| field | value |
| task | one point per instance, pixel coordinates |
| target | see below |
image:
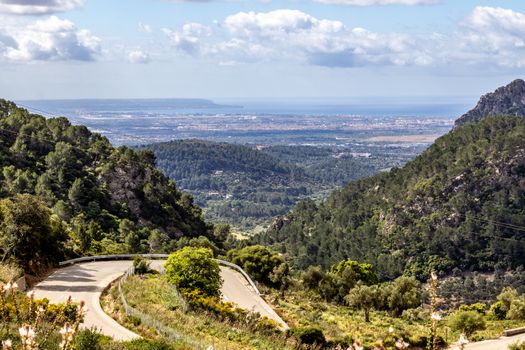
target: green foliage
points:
(438, 212)
(402, 294)
(478, 307)
(141, 266)
(88, 339)
(506, 297)
(517, 346)
(497, 311)
(517, 309)
(247, 186)
(148, 344)
(194, 269)
(467, 322)
(29, 234)
(107, 199)
(259, 262)
(365, 298)
(309, 335)
(353, 272)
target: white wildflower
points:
(436, 317)
(11, 286)
(401, 344)
(7, 344)
(434, 275)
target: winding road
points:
(87, 281)
(496, 344)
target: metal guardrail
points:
(153, 257)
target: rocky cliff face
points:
(508, 100)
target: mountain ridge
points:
(442, 211)
(506, 100)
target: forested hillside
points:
(93, 197)
(248, 186)
(461, 204)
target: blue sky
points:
(451, 49)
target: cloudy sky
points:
(259, 48)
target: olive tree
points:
(193, 269)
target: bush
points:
(146, 344)
(517, 310)
(308, 335)
(478, 307)
(193, 269)
(259, 262)
(88, 339)
(415, 315)
(141, 265)
(497, 311)
(467, 322)
(517, 346)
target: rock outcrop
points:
(507, 100)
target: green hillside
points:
(461, 204)
(98, 199)
(247, 186)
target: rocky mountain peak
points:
(507, 100)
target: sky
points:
(436, 50)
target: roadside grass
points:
(153, 296)
(8, 272)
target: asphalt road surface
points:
(87, 281)
(496, 344)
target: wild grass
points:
(154, 296)
(9, 272)
(343, 324)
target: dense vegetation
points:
(67, 191)
(461, 204)
(248, 186)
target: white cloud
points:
(379, 2)
(38, 7)
(189, 38)
(139, 56)
(295, 34)
(352, 2)
(49, 39)
(491, 35)
(144, 28)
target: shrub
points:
(467, 322)
(259, 262)
(517, 346)
(146, 344)
(141, 265)
(517, 310)
(497, 311)
(415, 315)
(478, 307)
(312, 277)
(88, 339)
(308, 335)
(193, 269)
(506, 297)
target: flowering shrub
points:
(197, 300)
(33, 322)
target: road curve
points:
(86, 282)
(495, 344)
